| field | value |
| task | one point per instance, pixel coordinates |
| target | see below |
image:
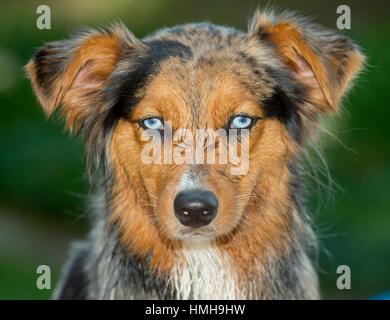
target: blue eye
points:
(153, 123)
(241, 122)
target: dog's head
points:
(268, 86)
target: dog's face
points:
(269, 86)
(199, 199)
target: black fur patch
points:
(75, 280)
(48, 63)
(123, 87)
(283, 108)
(263, 35)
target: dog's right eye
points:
(152, 123)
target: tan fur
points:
(258, 235)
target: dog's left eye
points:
(152, 123)
(241, 122)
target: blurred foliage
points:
(41, 168)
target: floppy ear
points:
(323, 62)
(73, 72)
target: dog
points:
(191, 230)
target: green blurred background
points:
(42, 181)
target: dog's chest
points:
(204, 273)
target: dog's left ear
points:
(323, 62)
(73, 73)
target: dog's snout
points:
(195, 208)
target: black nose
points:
(195, 208)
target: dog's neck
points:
(208, 270)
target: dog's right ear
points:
(73, 72)
(325, 63)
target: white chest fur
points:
(204, 274)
